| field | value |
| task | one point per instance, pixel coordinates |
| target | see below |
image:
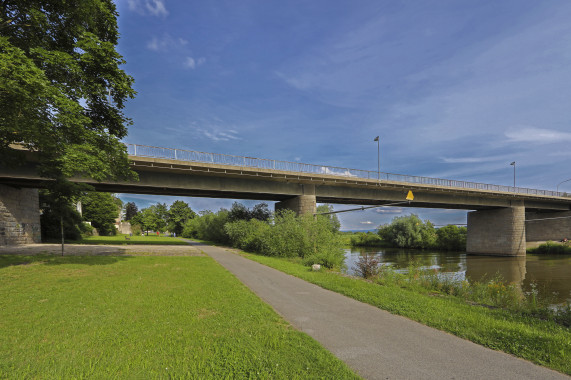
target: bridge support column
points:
(548, 229)
(301, 204)
(498, 232)
(19, 216)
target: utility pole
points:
(378, 157)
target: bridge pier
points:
(548, 229)
(497, 232)
(19, 216)
(301, 204)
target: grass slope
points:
(542, 342)
(145, 317)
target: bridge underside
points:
(495, 226)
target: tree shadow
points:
(53, 259)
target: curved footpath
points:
(373, 342)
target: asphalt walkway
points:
(373, 342)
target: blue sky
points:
(455, 89)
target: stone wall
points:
(19, 216)
(548, 229)
(498, 232)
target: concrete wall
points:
(301, 204)
(19, 216)
(554, 229)
(498, 232)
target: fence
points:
(261, 163)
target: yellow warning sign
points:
(409, 196)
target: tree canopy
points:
(101, 209)
(179, 213)
(62, 91)
(130, 210)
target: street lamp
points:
(567, 180)
(513, 164)
(378, 157)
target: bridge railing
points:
(262, 163)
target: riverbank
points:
(542, 342)
(110, 316)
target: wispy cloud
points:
(152, 7)
(217, 135)
(165, 43)
(471, 160)
(389, 210)
(537, 135)
(367, 222)
(191, 63)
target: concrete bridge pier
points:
(300, 204)
(19, 216)
(497, 232)
(553, 226)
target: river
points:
(551, 274)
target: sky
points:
(455, 89)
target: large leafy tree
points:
(131, 210)
(62, 91)
(101, 209)
(179, 213)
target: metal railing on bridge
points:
(297, 167)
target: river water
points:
(551, 274)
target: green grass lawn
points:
(542, 342)
(121, 239)
(145, 317)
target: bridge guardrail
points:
(262, 163)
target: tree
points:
(332, 218)
(130, 210)
(101, 210)
(153, 218)
(409, 232)
(179, 213)
(62, 91)
(241, 212)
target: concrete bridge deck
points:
(497, 224)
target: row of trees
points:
(159, 217)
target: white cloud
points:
(216, 135)
(192, 63)
(368, 222)
(165, 43)
(153, 7)
(472, 160)
(389, 210)
(537, 135)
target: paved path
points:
(373, 342)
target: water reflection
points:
(551, 274)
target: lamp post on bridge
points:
(513, 164)
(378, 157)
(567, 180)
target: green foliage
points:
(367, 239)
(130, 210)
(101, 209)
(332, 219)
(451, 238)
(55, 209)
(305, 237)
(179, 213)
(208, 226)
(61, 89)
(551, 248)
(152, 218)
(241, 212)
(409, 232)
(367, 266)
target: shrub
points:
(208, 226)
(409, 232)
(551, 248)
(366, 239)
(367, 266)
(451, 238)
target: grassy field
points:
(122, 239)
(145, 317)
(542, 342)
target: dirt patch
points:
(102, 250)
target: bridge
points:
(496, 224)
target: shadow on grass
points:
(45, 259)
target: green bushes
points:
(208, 226)
(286, 235)
(551, 248)
(411, 232)
(367, 239)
